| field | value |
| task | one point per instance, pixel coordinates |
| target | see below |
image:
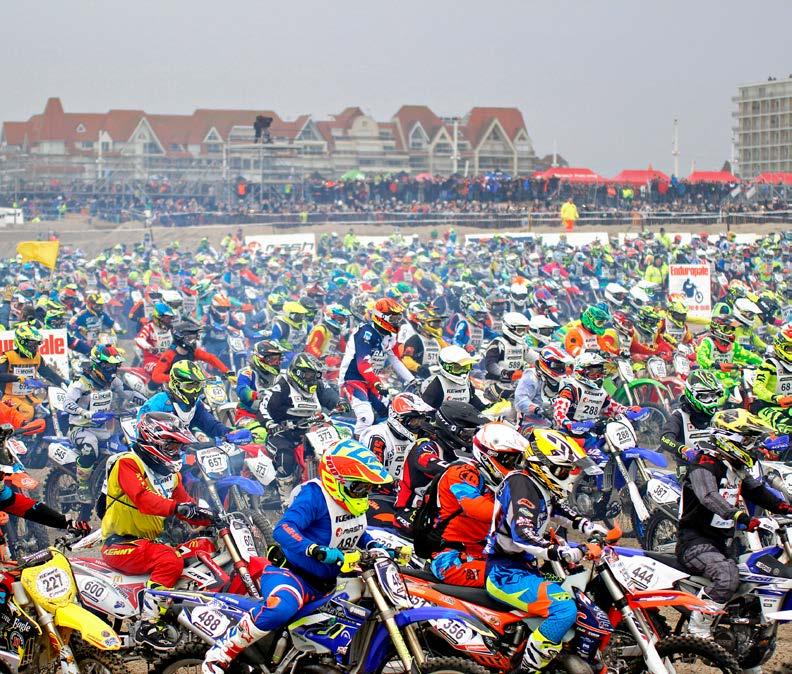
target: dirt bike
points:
(42, 626)
(217, 400)
(367, 624)
(618, 627)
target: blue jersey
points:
(202, 418)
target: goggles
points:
(457, 368)
(358, 489)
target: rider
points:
(23, 367)
(674, 329)
(89, 322)
(422, 346)
(465, 495)
(91, 402)
(524, 502)
(328, 338)
(296, 397)
(506, 355)
(184, 347)
(590, 333)
(451, 380)
(289, 325)
(143, 488)
(325, 517)
(689, 424)
(471, 327)
(719, 352)
(253, 383)
(717, 483)
(540, 385)
(155, 336)
(648, 334)
(390, 440)
(773, 384)
(747, 314)
(372, 344)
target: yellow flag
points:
(45, 252)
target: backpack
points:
(427, 527)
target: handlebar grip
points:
(40, 557)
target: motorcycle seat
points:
(474, 595)
(667, 559)
(420, 574)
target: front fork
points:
(68, 663)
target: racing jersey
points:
(390, 449)
(85, 397)
(773, 381)
(287, 402)
(197, 416)
(366, 354)
(577, 402)
(467, 504)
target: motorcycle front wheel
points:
(685, 653)
(660, 533)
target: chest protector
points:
(431, 350)
(693, 435)
(184, 415)
(513, 354)
(501, 540)
(589, 401)
(161, 339)
(783, 378)
(476, 334)
(674, 331)
(345, 528)
(454, 391)
(302, 404)
(21, 367)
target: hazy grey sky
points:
(603, 79)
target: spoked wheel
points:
(685, 654)
(660, 533)
(91, 660)
(60, 492)
(649, 430)
(25, 537)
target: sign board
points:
(574, 239)
(12, 216)
(692, 283)
(519, 236)
(404, 239)
(54, 349)
(302, 242)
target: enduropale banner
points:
(692, 283)
(54, 349)
(299, 242)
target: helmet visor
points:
(708, 397)
(594, 372)
(458, 368)
(308, 375)
(358, 489)
(544, 332)
(509, 459)
(190, 388)
(522, 330)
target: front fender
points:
(379, 647)
(647, 381)
(94, 630)
(657, 458)
(247, 485)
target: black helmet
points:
(185, 333)
(455, 424)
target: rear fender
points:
(380, 646)
(660, 598)
(93, 630)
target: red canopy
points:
(774, 178)
(571, 175)
(639, 177)
(712, 177)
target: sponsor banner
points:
(692, 283)
(686, 237)
(518, 236)
(302, 242)
(12, 216)
(54, 349)
(576, 239)
(406, 239)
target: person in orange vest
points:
(569, 215)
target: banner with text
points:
(302, 242)
(692, 283)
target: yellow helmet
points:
(348, 471)
(294, 313)
(27, 339)
(556, 461)
(736, 433)
(782, 344)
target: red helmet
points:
(553, 362)
(387, 315)
(160, 440)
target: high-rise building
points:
(763, 132)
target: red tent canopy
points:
(639, 177)
(571, 175)
(712, 177)
(774, 178)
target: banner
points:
(692, 283)
(12, 216)
(404, 239)
(45, 252)
(54, 349)
(573, 239)
(294, 243)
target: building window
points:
(152, 148)
(105, 146)
(214, 148)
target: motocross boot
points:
(227, 648)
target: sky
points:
(601, 80)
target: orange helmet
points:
(387, 315)
(220, 301)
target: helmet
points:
(336, 317)
(186, 381)
(637, 297)
(624, 326)
(105, 361)
(552, 364)
(736, 433)
(497, 449)
(703, 391)
(519, 293)
(160, 440)
(595, 319)
(745, 311)
(267, 357)
(221, 304)
(769, 305)
(424, 318)
(722, 329)
(163, 315)
(589, 369)
(455, 363)
(311, 306)
(348, 471)
(541, 328)
(615, 294)
(305, 371)
(515, 326)
(185, 333)
(543, 299)
(476, 312)
(455, 424)
(555, 461)
(94, 300)
(736, 289)
(407, 414)
(27, 339)
(55, 318)
(676, 313)
(173, 298)
(782, 345)
(648, 320)
(294, 313)
(276, 300)
(387, 315)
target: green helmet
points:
(186, 381)
(648, 320)
(27, 339)
(305, 371)
(704, 392)
(595, 319)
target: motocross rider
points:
(773, 384)
(451, 380)
(155, 336)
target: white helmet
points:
(615, 294)
(542, 328)
(746, 311)
(173, 298)
(515, 326)
(497, 450)
(534, 259)
(637, 297)
(589, 369)
(455, 364)
(519, 293)
(406, 413)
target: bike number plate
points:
(322, 439)
(215, 393)
(595, 284)
(236, 344)
(61, 454)
(681, 365)
(657, 368)
(53, 583)
(620, 435)
(626, 371)
(243, 539)
(57, 397)
(210, 621)
(16, 446)
(262, 468)
(661, 492)
(212, 461)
